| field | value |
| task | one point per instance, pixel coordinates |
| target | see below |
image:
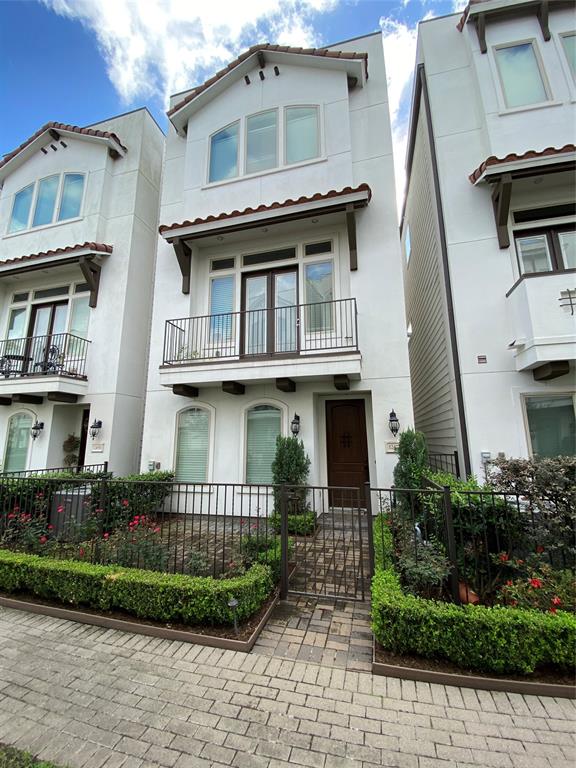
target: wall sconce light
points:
(95, 428)
(393, 423)
(35, 430)
(295, 425)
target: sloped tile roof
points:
(70, 249)
(265, 47)
(531, 154)
(52, 126)
(333, 193)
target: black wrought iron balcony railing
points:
(59, 354)
(301, 329)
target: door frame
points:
(270, 313)
(49, 332)
(329, 423)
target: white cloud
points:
(154, 48)
(400, 57)
(459, 5)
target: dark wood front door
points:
(347, 448)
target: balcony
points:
(542, 310)
(38, 364)
(303, 340)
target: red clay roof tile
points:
(96, 247)
(333, 193)
(513, 157)
(264, 47)
(60, 127)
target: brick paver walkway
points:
(85, 696)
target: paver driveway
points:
(85, 696)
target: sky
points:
(81, 61)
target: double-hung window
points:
(319, 294)
(224, 153)
(263, 425)
(221, 308)
(192, 446)
(551, 425)
(546, 250)
(520, 75)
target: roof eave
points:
(353, 67)
(498, 169)
(33, 263)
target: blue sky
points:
(80, 61)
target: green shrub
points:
(538, 586)
(412, 460)
(383, 543)
(146, 594)
(290, 467)
(501, 640)
(299, 524)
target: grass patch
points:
(15, 758)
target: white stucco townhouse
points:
(488, 231)
(78, 227)
(278, 290)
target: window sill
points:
(269, 172)
(42, 228)
(529, 108)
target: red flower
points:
(514, 602)
(60, 508)
(504, 557)
(509, 583)
(556, 600)
(43, 539)
(40, 495)
(16, 509)
(98, 511)
(157, 529)
(539, 549)
(519, 562)
(106, 536)
(536, 583)
(81, 552)
(11, 516)
(50, 527)
(125, 503)
(553, 609)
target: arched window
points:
(17, 442)
(263, 425)
(192, 446)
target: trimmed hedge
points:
(299, 523)
(146, 594)
(501, 640)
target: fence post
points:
(456, 463)
(451, 544)
(368, 496)
(106, 466)
(283, 543)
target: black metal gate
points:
(334, 558)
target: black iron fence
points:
(445, 462)
(60, 354)
(326, 326)
(465, 545)
(95, 469)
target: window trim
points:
(57, 204)
(238, 122)
(504, 106)
(211, 410)
(564, 57)
(551, 232)
(70, 297)
(524, 405)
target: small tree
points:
(412, 459)
(291, 465)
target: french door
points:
(47, 322)
(270, 312)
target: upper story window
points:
(302, 134)
(569, 44)
(224, 153)
(253, 144)
(54, 198)
(546, 250)
(520, 75)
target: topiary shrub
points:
(291, 467)
(412, 460)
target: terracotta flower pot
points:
(467, 595)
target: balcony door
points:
(270, 312)
(46, 345)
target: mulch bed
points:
(541, 675)
(245, 629)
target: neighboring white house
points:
(278, 288)
(489, 231)
(78, 229)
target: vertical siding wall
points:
(429, 351)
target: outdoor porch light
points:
(393, 423)
(95, 428)
(295, 425)
(37, 427)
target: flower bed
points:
(489, 639)
(176, 598)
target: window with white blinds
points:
(221, 306)
(192, 447)
(263, 425)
